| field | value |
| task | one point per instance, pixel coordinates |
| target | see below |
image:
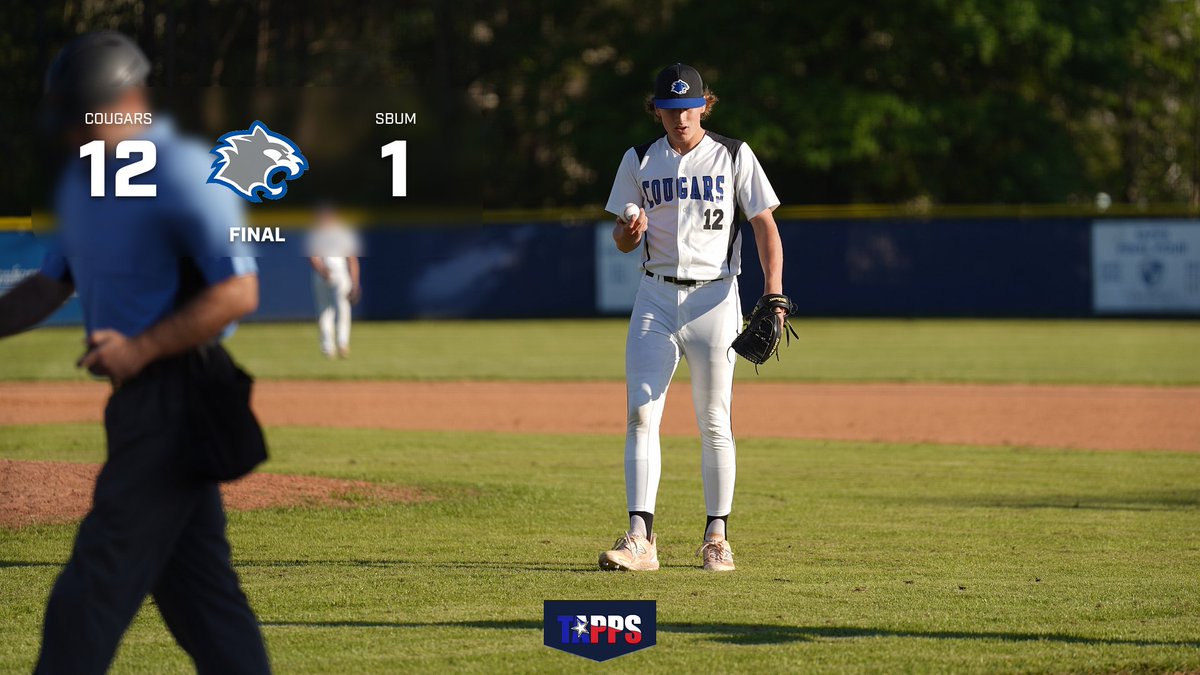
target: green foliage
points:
(946, 101)
(852, 557)
(966, 101)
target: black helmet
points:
(90, 72)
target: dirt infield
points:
(1103, 418)
(61, 492)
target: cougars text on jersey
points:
(705, 188)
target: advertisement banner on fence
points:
(21, 254)
(1146, 267)
(617, 274)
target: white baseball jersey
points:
(692, 202)
(333, 243)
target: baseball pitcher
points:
(678, 198)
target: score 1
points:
(398, 151)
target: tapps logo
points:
(600, 629)
(256, 163)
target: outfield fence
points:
(1019, 261)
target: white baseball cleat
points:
(716, 554)
(632, 552)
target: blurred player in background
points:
(333, 254)
(156, 293)
(683, 192)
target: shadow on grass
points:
(516, 566)
(513, 566)
(756, 634)
(1162, 500)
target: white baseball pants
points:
(333, 311)
(697, 323)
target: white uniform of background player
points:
(689, 187)
(334, 250)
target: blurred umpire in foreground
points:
(158, 289)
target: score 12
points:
(122, 188)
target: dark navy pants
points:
(156, 530)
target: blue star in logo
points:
(679, 87)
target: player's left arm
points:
(755, 195)
(770, 251)
(355, 286)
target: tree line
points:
(844, 101)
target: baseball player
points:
(158, 287)
(333, 254)
(677, 198)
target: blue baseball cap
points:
(679, 86)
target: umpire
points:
(157, 290)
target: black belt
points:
(677, 281)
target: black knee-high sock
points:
(724, 526)
(647, 517)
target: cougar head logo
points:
(256, 163)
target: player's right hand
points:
(113, 355)
(638, 225)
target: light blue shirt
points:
(123, 254)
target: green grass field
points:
(866, 350)
(853, 557)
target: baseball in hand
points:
(632, 211)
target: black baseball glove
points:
(759, 339)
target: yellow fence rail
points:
(303, 217)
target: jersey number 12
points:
(713, 218)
